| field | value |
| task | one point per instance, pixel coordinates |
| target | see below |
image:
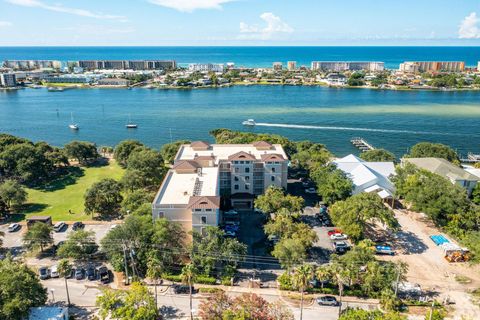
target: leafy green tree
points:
(12, 194)
(213, 248)
(39, 235)
(149, 168)
(377, 155)
(79, 245)
(104, 198)
(323, 273)
(361, 314)
(84, 152)
(65, 269)
(301, 279)
(124, 149)
(136, 303)
(189, 274)
(289, 252)
(135, 199)
(475, 194)
(275, 199)
(284, 226)
(360, 212)
(332, 184)
(435, 150)
(435, 314)
(20, 289)
(155, 270)
(169, 150)
(310, 155)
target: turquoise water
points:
(394, 120)
(249, 56)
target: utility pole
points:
(125, 262)
(340, 291)
(431, 310)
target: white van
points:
(54, 272)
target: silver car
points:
(327, 301)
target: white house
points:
(368, 176)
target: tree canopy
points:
(12, 194)
(145, 170)
(332, 184)
(275, 199)
(124, 149)
(361, 314)
(104, 198)
(377, 155)
(79, 245)
(359, 212)
(38, 235)
(169, 150)
(84, 152)
(20, 289)
(435, 150)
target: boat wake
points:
(297, 126)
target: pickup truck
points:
(384, 250)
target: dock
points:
(362, 144)
(471, 158)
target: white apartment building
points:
(291, 65)
(204, 174)
(206, 67)
(338, 66)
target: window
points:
(247, 178)
(236, 178)
(203, 231)
(204, 220)
(161, 214)
(197, 210)
(247, 170)
(208, 210)
(247, 186)
(273, 169)
(235, 187)
(237, 170)
(272, 178)
(241, 162)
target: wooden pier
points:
(471, 158)
(362, 144)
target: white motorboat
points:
(131, 125)
(249, 122)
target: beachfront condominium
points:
(339, 66)
(204, 176)
(206, 67)
(126, 64)
(32, 64)
(432, 66)
(291, 65)
(8, 80)
(277, 66)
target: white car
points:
(339, 236)
(13, 227)
(54, 272)
(311, 190)
(231, 213)
(59, 226)
(113, 226)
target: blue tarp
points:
(439, 239)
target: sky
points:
(238, 22)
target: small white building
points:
(368, 176)
(48, 313)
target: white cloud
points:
(191, 5)
(275, 27)
(5, 24)
(61, 8)
(469, 27)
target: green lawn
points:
(66, 194)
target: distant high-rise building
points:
(8, 80)
(206, 67)
(32, 64)
(291, 65)
(277, 66)
(338, 66)
(127, 64)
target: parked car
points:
(338, 236)
(232, 223)
(79, 273)
(178, 289)
(306, 183)
(230, 233)
(234, 228)
(90, 273)
(59, 226)
(231, 213)
(384, 250)
(113, 226)
(43, 273)
(311, 190)
(13, 227)
(333, 231)
(327, 301)
(77, 225)
(340, 247)
(103, 275)
(54, 271)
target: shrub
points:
(172, 277)
(209, 290)
(206, 280)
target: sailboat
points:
(131, 125)
(73, 125)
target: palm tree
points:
(189, 273)
(339, 275)
(155, 269)
(2, 234)
(301, 279)
(64, 269)
(323, 274)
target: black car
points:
(77, 225)
(103, 275)
(79, 273)
(178, 289)
(327, 301)
(91, 273)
